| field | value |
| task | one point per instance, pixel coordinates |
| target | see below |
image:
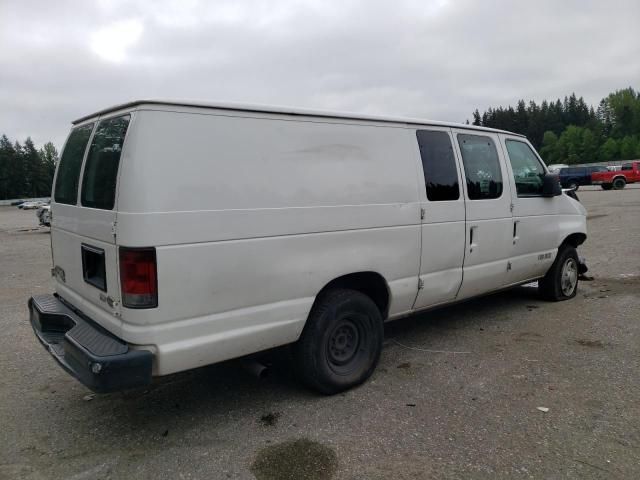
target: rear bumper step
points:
(100, 360)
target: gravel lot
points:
(455, 395)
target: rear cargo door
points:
(84, 218)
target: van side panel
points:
(236, 163)
(248, 295)
(251, 217)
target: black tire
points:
(606, 186)
(619, 183)
(574, 185)
(341, 342)
(562, 274)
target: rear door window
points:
(481, 166)
(101, 169)
(66, 188)
(439, 165)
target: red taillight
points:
(138, 277)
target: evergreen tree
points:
(49, 158)
(34, 172)
(625, 112)
(7, 158)
(476, 118)
(17, 173)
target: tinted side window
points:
(627, 166)
(101, 169)
(481, 166)
(439, 165)
(66, 188)
(528, 172)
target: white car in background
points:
(555, 168)
(30, 205)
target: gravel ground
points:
(456, 394)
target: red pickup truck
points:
(617, 179)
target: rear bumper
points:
(98, 359)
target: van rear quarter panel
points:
(252, 215)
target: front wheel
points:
(341, 343)
(561, 281)
(574, 186)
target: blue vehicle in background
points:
(574, 177)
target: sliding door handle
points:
(473, 236)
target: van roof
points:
(285, 111)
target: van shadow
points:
(476, 312)
(225, 396)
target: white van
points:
(184, 234)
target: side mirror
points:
(551, 185)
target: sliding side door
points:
(443, 219)
(489, 227)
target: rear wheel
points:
(341, 343)
(573, 185)
(619, 183)
(561, 281)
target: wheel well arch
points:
(575, 239)
(369, 283)
(619, 176)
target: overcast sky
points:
(435, 59)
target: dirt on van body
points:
(506, 386)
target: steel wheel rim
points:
(344, 343)
(569, 276)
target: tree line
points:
(25, 171)
(570, 131)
